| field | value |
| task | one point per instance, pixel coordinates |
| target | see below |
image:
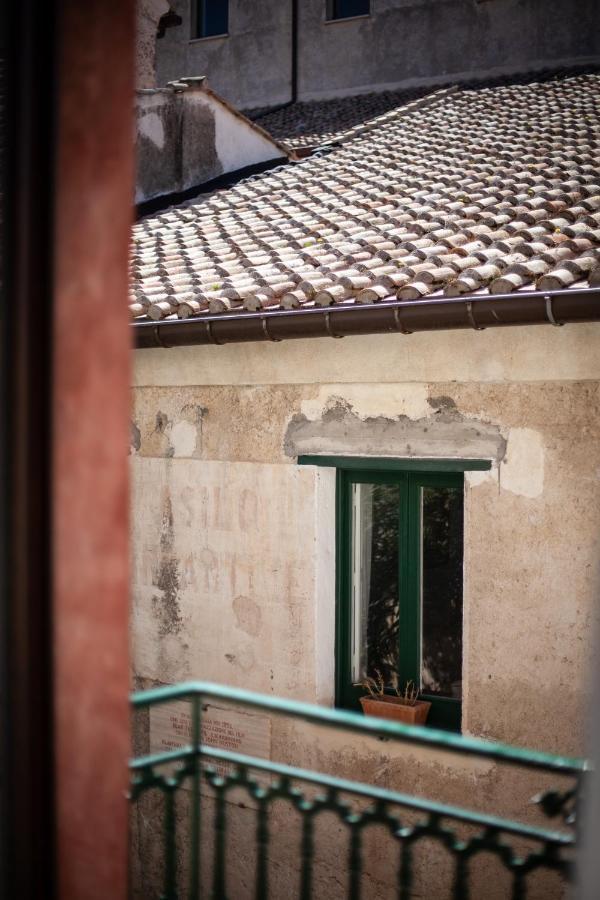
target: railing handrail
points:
(343, 785)
(349, 721)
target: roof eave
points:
(476, 311)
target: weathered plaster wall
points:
(187, 137)
(401, 42)
(250, 67)
(148, 14)
(497, 356)
(415, 41)
(233, 542)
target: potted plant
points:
(402, 706)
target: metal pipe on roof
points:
(390, 316)
(294, 59)
(293, 63)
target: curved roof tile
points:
(491, 189)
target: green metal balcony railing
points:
(521, 848)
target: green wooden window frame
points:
(412, 475)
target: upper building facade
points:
(267, 52)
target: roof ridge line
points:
(395, 112)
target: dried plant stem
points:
(376, 689)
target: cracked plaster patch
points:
(135, 439)
(522, 470)
(476, 477)
(179, 437)
(443, 432)
(183, 438)
(151, 127)
(368, 400)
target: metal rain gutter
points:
(389, 316)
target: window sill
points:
(346, 19)
(209, 37)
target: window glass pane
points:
(212, 17)
(375, 511)
(441, 591)
(343, 9)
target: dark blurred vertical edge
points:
(94, 186)
(67, 182)
(28, 51)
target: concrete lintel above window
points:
(397, 465)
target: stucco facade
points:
(234, 543)
(402, 42)
(188, 135)
(148, 14)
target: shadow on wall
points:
(188, 135)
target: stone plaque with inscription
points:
(222, 727)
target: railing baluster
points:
(519, 890)
(170, 884)
(307, 856)
(355, 861)
(406, 870)
(461, 879)
(262, 844)
(219, 892)
(194, 892)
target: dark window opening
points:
(212, 18)
(347, 9)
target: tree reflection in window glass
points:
(441, 591)
(375, 511)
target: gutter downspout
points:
(293, 64)
(294, 59)
(403, 316)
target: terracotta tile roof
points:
(474, 190)
(317, 122)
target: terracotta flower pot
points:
(388, 707)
